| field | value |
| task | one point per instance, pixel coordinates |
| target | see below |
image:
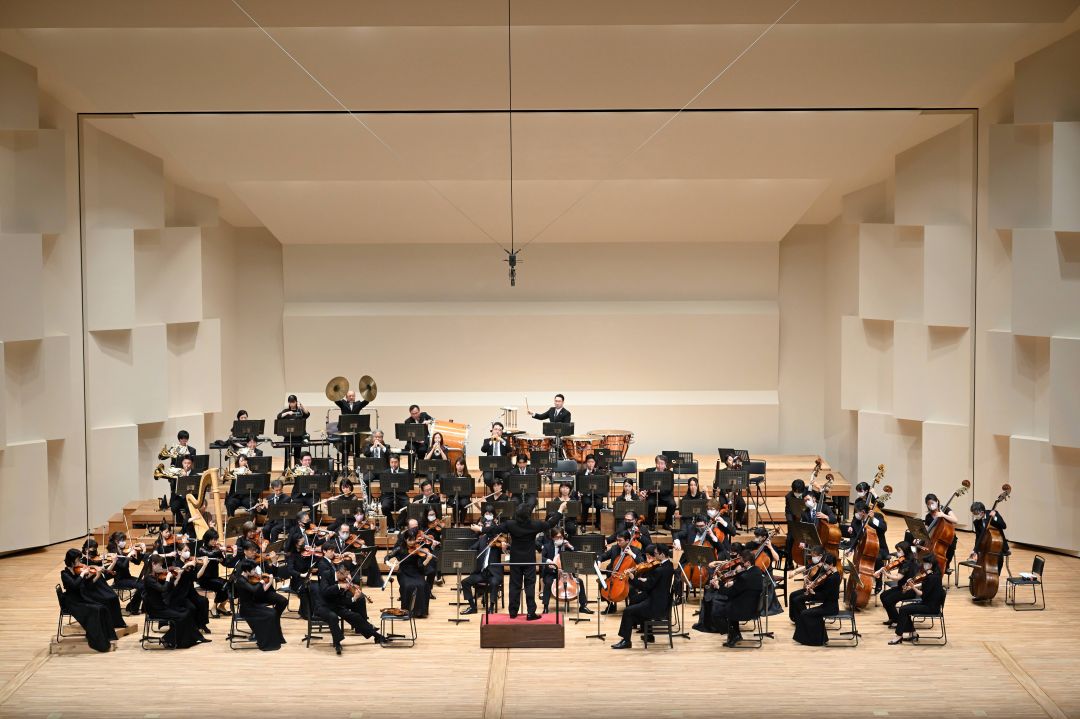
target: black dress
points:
(93, 617)
(810, 623)
(264, 621)
(164, 600)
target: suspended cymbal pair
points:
(338, 387)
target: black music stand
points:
(252, 485)
(411, 433)
(573, 509)
(461, 562)
(575, 563)
(595, 543)
(558, 429)
(522, 484)
(341, 508)
(494, 465)
(187, 485)
(417, 511)
(659, 482)
(321, 465)
(396, 483)
(805, 533)
(917, 527)
(283, 512)
(433, 468)
(456, 487)
(352, 426)
(504, 508)
(734, 483)
(690, 507)
(371, 465)
(543, 460)
(594, 485)
(622, 506)
(248, 428)
(234, 526)
(261, 464)
(291, 429)
(315, 485)
(726, 452)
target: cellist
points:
(980, 520)
(550, 549)
(611, 556)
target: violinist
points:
(410, 561)
(980, 520)
(210, 548)
(123, 554)
(305, 529)
(550, 548)
(523, 530)
(94, 617)
(488, 570)
(166, 599)
(793, 508)
(906, 567)
(639, 534)
(432, 527)
(300, 560)
(929, 595)
(620, 546)
(168, 544)
(99, 590)
(824, 587)
(460, 504)
(743, 593)
(797, 599)
(588, 500)
(654, 594)
(277, 496)
(566, 494)
(254, 607)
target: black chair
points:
(61, 624)
(649, 627)
(389, 620)
(154, 630)
(835, 625)
(237, 638)
(1033, 580)
(759, 631)
(936, 619)
(317, 627)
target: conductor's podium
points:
(499, 631)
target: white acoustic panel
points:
(1021, 172)
(168, 275)
(123, 186)
(866, 364)
(36, 380)
(890, 272)
(1065, 391)
(1044, 509)
(3, 399)
(24, 495)
(129, 376)
(66, 467)
(1046, 283)
(871, 204)
(948, 386)
(1066, 177)
(194, 367)
(934, 180)
(910, 370)
(897, 444)
(110, 278)
(187, 208)
(1045, 87)
(32, 183)
(946, 461)
(113, 472)
(18, 87)
(20, 287)
(947, 271)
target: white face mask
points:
(810, 503)
(798, 495)
(185, 554)
(712, 512)
(926, 566)
(121, 544)
(258, 570)
(431, 518)
(932, 506)
(815, 560)
(860, 495)
(559, 542)
(344, 535)
(489, 517)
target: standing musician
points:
(349, 405)
(186, 450)
(277, 496)
(620, 546)
(495, 446)
(588, 500)
(550, 548)
(410, 561)
(418, 417)
(294, 408)
(743, 593)
(665, 499)
(654, 600)
(864, 520)
(935, 511)
(929, 594)
(93, 616)
(980, 520)
(907, 567)
(825, 588)
(488, 571)
(391, 502)
(813, 512)
(556, 413)
(460, 504)
(523, 530)
(251, 589)
(793, 508)
(304, 469)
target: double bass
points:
(942, 532)
(861, 579)
(618, 584)
(986, 576)
(798, 554)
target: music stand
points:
(594, 485)
(917, 527)
(187, 485)
(690, 507)
(351, 426)
(412, 434)
(659, 482)
(433, 468)
(558, 429)
(573, 507)
(341, 508)
(504, 508)
(396, 483)
(575, 563)
(261, 464)
(371, 465)
(543, 460)
(281, 511)
(622, 506)
(234, 526)
(595, 543)
(522, 484)
(321, 465)
(699, 556)
(733, 483)
(417, 511)
(290, 427)
(805, 533)
(248, 428)
(251, 484)
(725, 452)
(494, 465)
(456, 487)
(459, 562)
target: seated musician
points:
(119, 569)
(277, 497)
(555, 413)
(718, 515)
(721, 498)
(898, 591)
(743, 593)
(497, 493)
(697, 532)
(522, 468)
(665, 499)
(294, 408)
(238, 443)
(810, 622)
(177, 501)
(210, 548)
(495, 446)
(300, 558)
(79, 601)
(980, 520)
(488, 572)
(418, 417)
(392, 502)
(566, 494)
(550, 548)
(376, 448)
(929, 593)
(429, 497)
(410, 561)
(588, 500)
(797, 599)
(332, 599)
(166, 599)
(236, 500)
(460, 503)
(255, 608)
(631, 523)
(304, 469)
(693, 491)
(250, 448)
(654, 598)
(621, 546)
(437, 450)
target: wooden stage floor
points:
(998, 663)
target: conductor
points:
(523, 530)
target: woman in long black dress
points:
(210, 579)
(120, 568)
(93, 617)
(411, 562)
(810, 623)
(99, 590)
(254, 607)
(166, 598)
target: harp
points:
(209, 491)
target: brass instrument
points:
(171, 452)
(298, 470)
(163, 472)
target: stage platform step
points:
(499, 631)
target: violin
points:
(79, 568)
(890, 565)
(645, 566)
(820, 577)
(264, 579)
(312, 552)
(915, 581)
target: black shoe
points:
(337, 649)
(585, 610)
(648, 639)
(888, 622)
(513, 615)
(532, 617)
(380, 639)
(468, 610)
(610, 609)
(547, 610)
(624, 644)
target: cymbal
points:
(367, 389)
(336, 389)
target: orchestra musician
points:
(566, 494)
(460, 504)
(929, 594)
(793, 504)
(166, 598)
(631, 523)
(95, 618)
(186, 450)
(277, 496)
(935, 511)
(304, 469)
(123, 555)
(488, 570)
(391, 502)
(177, 502)
(235, 441)
(529, 499)
(654, 599)
(211, 580)
(437, 450)
(810, 622)
(864, 520)
(236, 500)
(980, 520)
(334, 597)
(550, 548)
(495, 446)
(697, 532)
(555, 413)
(908, 569)
(663, 499)
(417, 417)
(797, 599)
(254, 606)
(620, 546)
(294, 408)
(410, 561)
(588, 500)
(743, 594)
(99, 590)
(376, 448)
(523, 530)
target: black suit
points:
(488, 448)
(587, 499)
(655, 598)
(743, 599)
(297, 440)
(522, 558)
(419, 448)
(554, 415)
(348, 407)
(393, 501)
(548, 552)
(485, 573)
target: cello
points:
(696, 574)
(763, 559)
(618, 584)
(798, 554)
(861, 575)
(986, 576)
(943, 533)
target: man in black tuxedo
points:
(186, 450)
(418, 417)
(655, 589)
(496, 446)
(523, 530)
(557, 413)
(349, 405)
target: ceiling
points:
(706, 176)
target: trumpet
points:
(172, 452)
(163, 472)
